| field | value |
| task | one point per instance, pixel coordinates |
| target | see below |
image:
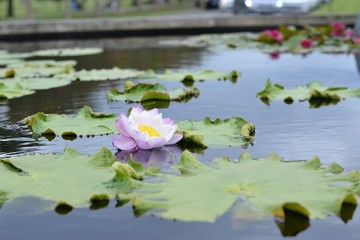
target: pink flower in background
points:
(145, 130)
(349, 33)
(307, 43)
(274, 35)
(356, 40)
(337, 29)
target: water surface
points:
(295, 132)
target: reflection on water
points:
(158, 157)
(295, 132)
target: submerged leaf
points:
(142, 92)
(271, 185)
(314, 92)
(68, 180)
(233, 131)
(85, 123)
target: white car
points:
(226, 4)
(264, 6)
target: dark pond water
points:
(292, 131)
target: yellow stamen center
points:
(149, 130)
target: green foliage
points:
(67, 52)
(67, 180)
(199, 193)
(316, 94)
(102, 74)
(189, 76)
(8, 91)
(270, 186)
(143, 92)
(339, 7)
(321, 39)
(41, 68)
(233, 131)
(85, 123)
(37, 83)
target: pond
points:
(293, 131)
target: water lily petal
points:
(167, 131)
(153, 142)
(124, 143)
(122, 124)
(168, 121)
(154, 112)
(136, 109)
(175, 138)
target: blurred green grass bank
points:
(340, 7)
(58, 9)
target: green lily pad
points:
(192, 76)
(42, 68)
(271, 186)
(7, 61)
(143, 92)
(67, 180)
(314, 92)
(40, 83)
(8, 91)
(67, 52)
(233, 131)
(102, 74)
(8, 58)
(85, 123)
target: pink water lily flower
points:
(337, 29)
(356, 40)
(145, 130)
(274, 35)
(349, 32)
(307, 43)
